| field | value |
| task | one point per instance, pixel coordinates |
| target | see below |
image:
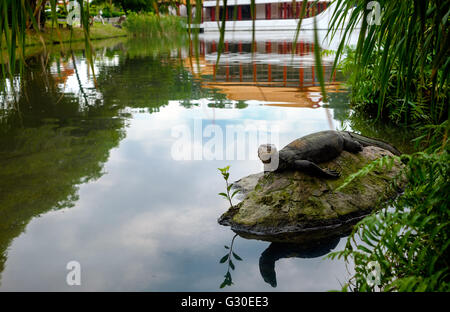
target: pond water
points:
(120, 173)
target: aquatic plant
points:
(407, 243)
(226, 174)
(228, 281)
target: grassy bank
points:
(137, 25)
(55, 35)
(160, 32)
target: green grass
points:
(54, 35)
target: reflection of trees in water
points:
(152, 80)
(277, 251)
(48, 147)
(42, 166)
(223, 103)
(143, 82)
(399, 137)
(52, 141)
(342, 112)
(339, 103)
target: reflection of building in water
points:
(278, 73)
(273, 63)
(61, 71)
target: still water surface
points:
(93, 174)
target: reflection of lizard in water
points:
(277, 251)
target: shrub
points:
(151, 25)
(401, 64)
(366, 91)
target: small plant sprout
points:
(226, 174)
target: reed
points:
(400, 66)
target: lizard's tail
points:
(366, 141)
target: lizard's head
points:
(266, 151)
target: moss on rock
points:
(279, 205)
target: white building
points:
(271, 15)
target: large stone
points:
(292, 206)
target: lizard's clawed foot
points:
(332, 173)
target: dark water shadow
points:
(277, 251)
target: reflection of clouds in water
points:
(308, 274)
(181, 228)
(315, 96)
(153, 131)
(150, 223)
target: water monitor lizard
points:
(306, 152)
